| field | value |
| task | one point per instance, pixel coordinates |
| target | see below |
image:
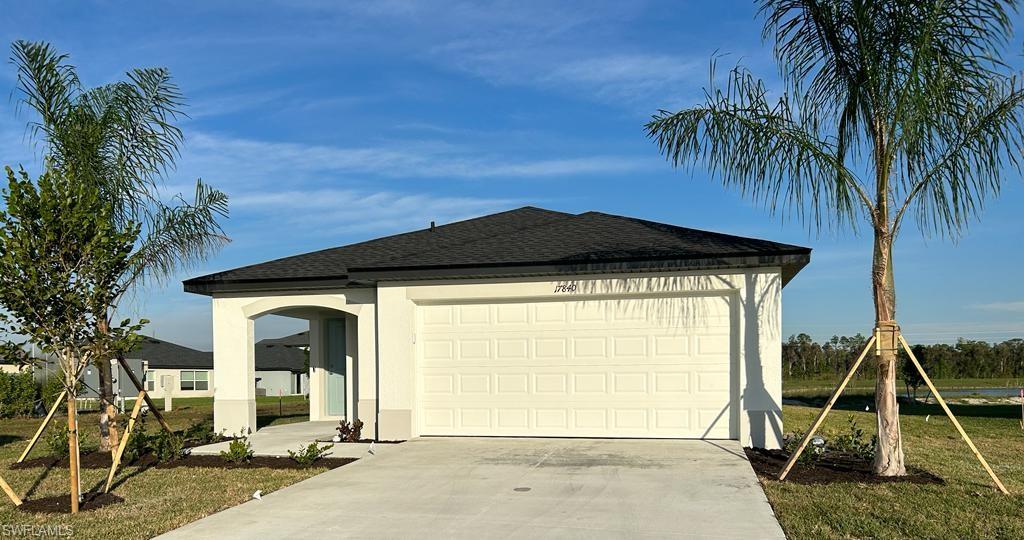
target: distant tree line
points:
(804, 358)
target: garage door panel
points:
(582, 368)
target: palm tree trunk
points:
(108, 411)
(889, 447)
(106, 408)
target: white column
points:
(761, 298)
(316, 370)
(234, 366)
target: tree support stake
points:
(874, 341)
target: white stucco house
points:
(529, 322)
(281, 369)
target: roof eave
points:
(790, 263)
(211, 287)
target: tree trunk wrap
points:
(889, 446)
(108, 409)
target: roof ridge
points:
(658, 224)
(518, 229)
(392, 236)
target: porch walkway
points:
(276, 441)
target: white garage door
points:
(638, 367)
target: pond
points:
(1011, 391)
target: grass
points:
(866, 385)
(968, 506)
(156, 500)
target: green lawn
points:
(156, 500)
(966, 507)
(862, 385)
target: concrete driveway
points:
(516, 488)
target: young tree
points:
(61, 263)
(887, 109)
(122, 139)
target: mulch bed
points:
(61, 504)
(102, 460)
(830, 468)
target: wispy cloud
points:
(1013, 307)
(631, 77)
(248, 160)
(332, 212)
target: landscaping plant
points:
(119, 139)
(59, 248)
(310, 454)
(239, 451)
(853, 441)
(887, 111)
(166, 446)
(17, 394)
(350, 431)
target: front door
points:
(335, 364)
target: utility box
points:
(168, 383)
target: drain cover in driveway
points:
(521, 489)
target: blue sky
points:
(334, 122)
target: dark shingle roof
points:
(549, 242)
(300, 339)
(166, 355)
(280, 358)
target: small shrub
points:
(853, 441)
(310, 454)
(790, 443)
(201, 432)
(52, 387)
(239, 451)
(350, 432)
(18, 393)
(57, 441)
(166, 446)
(138, 442)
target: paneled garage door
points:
(636, 367)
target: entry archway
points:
(335, 330)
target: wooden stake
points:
(73, 451)
(124, 440)
(46, 422)
(149, 401)
(10, 492)
(828, 407)
(952, 418)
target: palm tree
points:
(885, 110)
(121, 137)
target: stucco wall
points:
(281, 383)
(233, 354)
(388, 316)
(756, 334)
(159, 391)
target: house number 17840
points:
(566, 288)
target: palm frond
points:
(181, 235)
(765, 148)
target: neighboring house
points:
(280, 370)
(282, 365)
(524, 323)
(188, 371)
